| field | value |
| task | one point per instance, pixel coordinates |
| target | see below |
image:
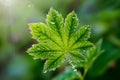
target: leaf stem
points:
(79, 75)
(82, 77)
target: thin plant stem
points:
(82, 77)
(79, 75)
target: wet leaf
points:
(59, 41)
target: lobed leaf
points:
(43, 34)
(75, 58)
(54, 62)
(59, 41)
(71, 23)
(82, 34)
(83, 46)
(41, 51)
(55, 21)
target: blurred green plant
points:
(61, 42)
(102, 15)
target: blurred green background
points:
(15, 37)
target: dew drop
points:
(86, 28)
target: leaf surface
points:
(60, 41)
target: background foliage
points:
(15, 39)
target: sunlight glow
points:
(8, 3)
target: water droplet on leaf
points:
(86, 28)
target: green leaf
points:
(102, 63)
(42, 51)
(92, 55)
(54, 62)
(103, 60)
(55, 21)
(71, 23)
(75, 58)
(58, 40)
(43, 34)
(82, 46)
(82, 34)
(68, 74)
